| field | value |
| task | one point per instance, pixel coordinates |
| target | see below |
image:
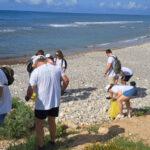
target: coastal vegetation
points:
(19, 128)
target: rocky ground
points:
(84, 102)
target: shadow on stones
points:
(90, 138)
(77, 94)
(141, 92)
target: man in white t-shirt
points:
(45, 81)
(109, 71)
(126, 75)
(5, 97)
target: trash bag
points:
(114, 109)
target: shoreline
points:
(23, 59)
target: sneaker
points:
(119, 116)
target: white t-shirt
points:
(127, 71)
(121, 88)
(47, 79)
(60, 63)
(111, 60)
(5, 99)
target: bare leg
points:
(128, 104)
(129, 109)
(120, 101)
(52, 128)
(39, 125)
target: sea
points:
(22, 33)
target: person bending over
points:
(123, 93)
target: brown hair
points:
(59, 54)
(39, 52)
(108, 51)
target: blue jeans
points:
(2, 118)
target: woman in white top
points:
(61, 62)
(123, 93)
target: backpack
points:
(64, 60)
(9, 72)
(117, 66)
(29, 66)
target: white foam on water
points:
(7, 30)
(80, 24)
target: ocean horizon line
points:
(57, 12)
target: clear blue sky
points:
(83, 6)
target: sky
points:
(80, 6)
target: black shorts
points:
(126, 78)
(43, 114)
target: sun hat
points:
(35, 59)
(48, 55)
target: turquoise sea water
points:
(22, 33)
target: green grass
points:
(30, 143)
(118, 144)
(19, 122)
(93, 128)
(142, 111)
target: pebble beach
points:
(84, 102)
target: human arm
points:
(65, 82)
(109, 65)
(29, 93)
(1, 91)
(1, 88)
(32, 86)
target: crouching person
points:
(123, 93)
(45, 81)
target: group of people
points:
(118, 88)
(48, 81)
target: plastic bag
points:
(114, 109)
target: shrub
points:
(141, 111)
(118, 144)
(19, 122)
(61, 130)
(93, 128)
